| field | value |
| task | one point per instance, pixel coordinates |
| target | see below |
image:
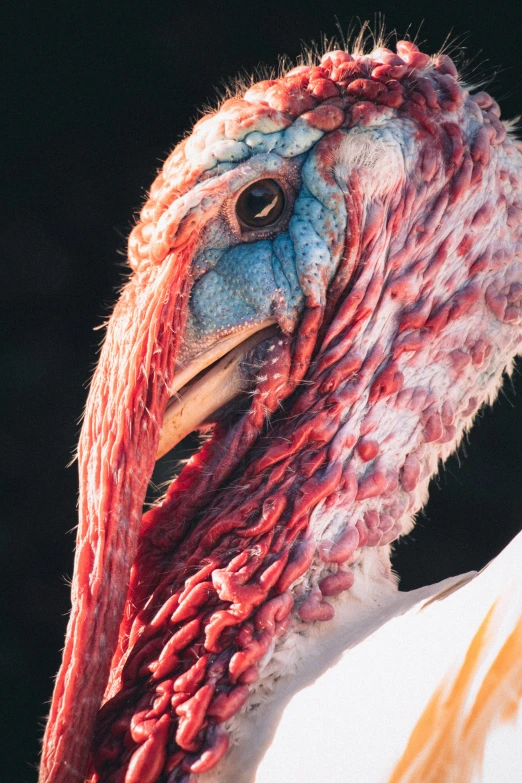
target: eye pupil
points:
(261, 204)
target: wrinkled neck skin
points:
(419, 368)
(276, 535)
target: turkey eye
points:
(261, 204)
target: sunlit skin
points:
(334, 330)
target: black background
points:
(98, 93)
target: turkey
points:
(326, 283)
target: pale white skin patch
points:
(379, 153)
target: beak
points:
(193, 399)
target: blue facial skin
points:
(244, 282)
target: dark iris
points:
(261, 204)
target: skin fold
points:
(391, 287)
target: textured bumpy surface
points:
(396, 279)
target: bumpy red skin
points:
(212, 572)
